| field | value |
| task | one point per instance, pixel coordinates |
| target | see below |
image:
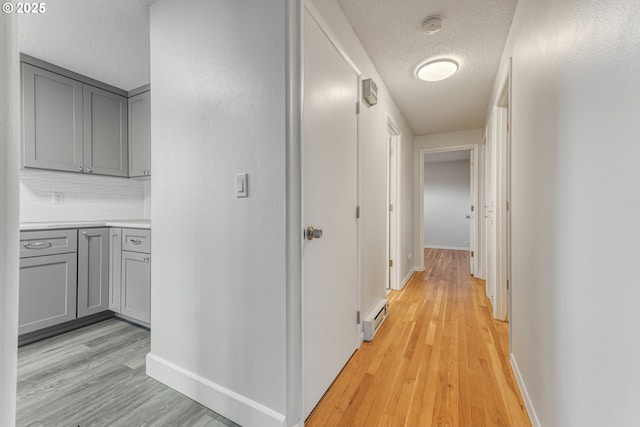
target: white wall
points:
(445, 140)
(372, 133)
(9, 157)
(447, 197)
(218, 297)
(86, 197)
(575, 203)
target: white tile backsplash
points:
(86, 197)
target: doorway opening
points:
(448, 200)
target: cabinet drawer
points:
(48, 242)
(136, 240)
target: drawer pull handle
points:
(136, 241)
(37, 245)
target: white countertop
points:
(124, 223)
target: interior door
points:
(393, 262)
(472, 214)
(329, 200)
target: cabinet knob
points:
(88, 170)
(80, 168)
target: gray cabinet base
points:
(51, 331)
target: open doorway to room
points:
(448, 200)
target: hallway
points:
(440, 359)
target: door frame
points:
(502, 145)
(393, 280)
(295, 166)
(420, 200)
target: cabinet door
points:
(105, 132)
(47, 291)
(140, 135)
(136, 285)
(115, 262)
(93, 271)
(52, 120)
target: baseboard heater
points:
(374, 320)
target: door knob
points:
(313, 233)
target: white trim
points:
(293, 197)
(326, 29)
(393, 131)
(451, 248)
(407, 278)
(229, 404)
(533, 416)
(418, 269)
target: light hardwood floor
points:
(440, 359)
(95, 376)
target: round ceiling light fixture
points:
(436, 70)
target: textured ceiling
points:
(107, 40)
(473, 32)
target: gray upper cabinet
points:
(105, 132)
(93, 271)
(52, 120)
(140, 135)
(70, 125)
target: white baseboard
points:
(407, 278)
(225, 402)
(533, 417)
(418, 269)
(451, 248)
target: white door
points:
(393, 264)
(329, 201)
(472, 214)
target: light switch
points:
(242, 187)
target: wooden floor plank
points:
(440, 359)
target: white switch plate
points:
(242, 185)
(57, 199)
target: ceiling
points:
(109, 41)
(473, 33)
(104, 40)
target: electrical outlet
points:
(57, 199)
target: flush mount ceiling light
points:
(436, 70)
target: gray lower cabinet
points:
(130, 278)
(140, 134)
(136, 285)
(93, 271)
(48, 279)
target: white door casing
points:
(330, 332)
(392, 211)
